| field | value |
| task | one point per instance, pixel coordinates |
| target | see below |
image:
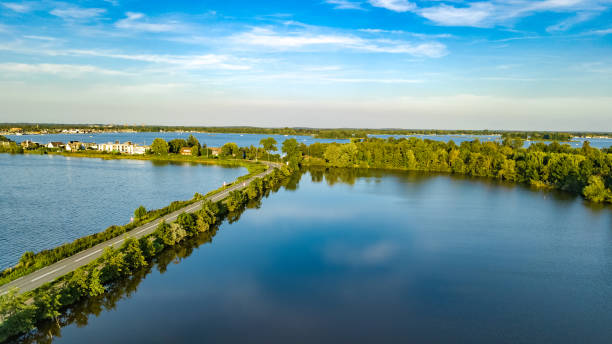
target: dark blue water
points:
(47, 200)
(379, 257)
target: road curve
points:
(69, 264)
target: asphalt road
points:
(66, 265)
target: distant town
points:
(128, 147)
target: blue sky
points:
(499, 64)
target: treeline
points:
(331, 133)
(229, 150)
(585, 170)
(20, 313)
(9, 146)
(538, 135)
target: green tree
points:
(140, 212)
(269, 144)
(159, 147)
(113, 265)
(48, 304)
(229, 149)
(85, 282)
(294, 154)
(187, 221)
(194, 144)
(17, 316)
(596, 191)
(176, 145)
(134, 259)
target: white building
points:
(55, 145)
(124, 148)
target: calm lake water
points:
(245, 140)
(376, 257)
(48, 200)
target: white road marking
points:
(48, 273)
(115, 243)
(89, 255)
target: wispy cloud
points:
(373, 80)
(17, 7)
(294, 40)
(40, 38)
(394, 5)
(492, 12)
(572, 21)
(602, 32)
(345, 4)
(500, 12)
(183, 61)
(77, 12)
(139, 22)
(322, 68)
(477, 14)
(67, 70)
(401, 32)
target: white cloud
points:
(138, 22)
(322, 68)
(477, 14)
(307, 39)
(68, 70)
(572, 21)
(345, 4)
(77, 12)
(394, 5)
(182, 61)
(373, 81)
(40, 38)
(17, 7)
(401, 32)
(501, 12)
(602, 32)
(210, 61)
(269, 38)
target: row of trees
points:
(161, 147)
(538, 135)
(585, 170)
(228, 150)
(20, 313)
